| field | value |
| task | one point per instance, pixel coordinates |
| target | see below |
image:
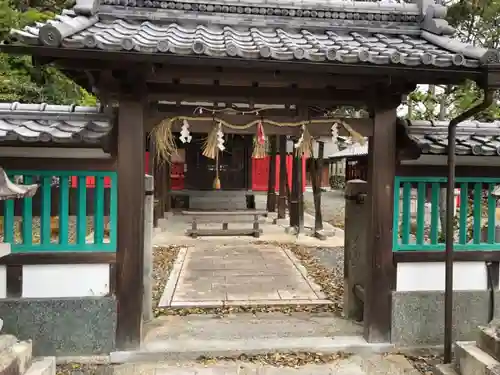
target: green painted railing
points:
(59, 231)
(416, 214)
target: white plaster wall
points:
(430, 276)
(3, 282)
(68, 280)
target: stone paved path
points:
(211, 275)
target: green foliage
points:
(478, 23)
(20, 80)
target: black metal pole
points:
(450, 200)
(448, 293)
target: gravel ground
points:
(332, 206)
(425, 362)
(36, 229)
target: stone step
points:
(178, 350)
(471, 360)
(445, 369)
(489, 341)
(348, 366)
(42, 366)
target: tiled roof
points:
(473, 138)
(52, 123)
(314, 30)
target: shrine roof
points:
(52, 123)
(473, 138)
(377, 32)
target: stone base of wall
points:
(64, 326)
(418, 317)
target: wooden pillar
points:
(300, 183)
(271, 184)
(130, 246)
(316, 179)
(295, 194)
(167, 193)
(381, 276)
(153, 172)
(282, 199)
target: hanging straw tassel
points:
(216, 183)
(353, 133)
(259, 143)
(306, 146)
(210, 147)
(164, 141)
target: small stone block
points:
(471, 360)
(43, 366)
(444, 369)
(320, 235)
(16, 359)
(23, 352)
(489, 341)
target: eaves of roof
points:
(348, 32)
(53, 123)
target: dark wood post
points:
(316, 177)
(282, 200)
(300, 183)
(153, 172)
(130, 246)
(271, 183)
(159, 175)
(295, 195)
(167, 196)
(381, 276)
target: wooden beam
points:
(271, 184)
(382, 276)
(130, 253)
(439, 256)
(78, 58)
(58, 164)
(282, 200)
(57, 258)
(264, 78)
(265, 95)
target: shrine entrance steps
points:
(193, 336)
(474, 358)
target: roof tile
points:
(52, 123)
(473, 138)
(377, 32)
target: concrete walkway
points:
(235, 274)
